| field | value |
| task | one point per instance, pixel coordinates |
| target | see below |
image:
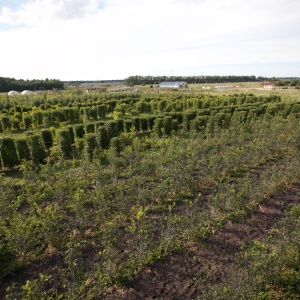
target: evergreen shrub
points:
(64, 142)
(8, 153)
(27, 121)
(47, 138)
(102, 137)
(90, 145)
(37, 148)
(22, 149)
(6, 123)
(79, 131)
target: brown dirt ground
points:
(187, 274)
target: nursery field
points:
(139, 195)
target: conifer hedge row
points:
(44, 115)
(89, 130)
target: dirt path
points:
(186, 275)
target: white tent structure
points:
(13, 93)
(173, 84)
(27, 92)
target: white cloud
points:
(41, 11)
(77, 40)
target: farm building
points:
(173, 84)
(13, 93)
(268, 85)
(27, 92)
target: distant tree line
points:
(94, 82)
(136, 80)
(8, 84)
(288, 82)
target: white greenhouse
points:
(13, 93)
(27, 92)
(173, 84)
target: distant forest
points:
(9, 84)
(136, 80)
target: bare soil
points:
(186, 275)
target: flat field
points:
(184, 194)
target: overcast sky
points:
(114, 39)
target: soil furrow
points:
(188, 274)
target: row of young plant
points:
(131, 207)
(267, 270)
(46, 102)
(26, 117)
(93, 136)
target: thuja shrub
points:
(124, 140)
(101, 110)
(47, 122)
(8, 153)
(223, 119)
(37, 148)
(167, 121)
(18, 116)
(175, 126)
(150, 121)
(74, 115)
(261, 110)
(64, 142)
(22, 149)
(94, 113)
(136, 123)
(102, 137)
(90, 128)
(66, 111)
(120, 125)
(27, 121)
(127, 125)
(87, 112)
(272, 110)
(109, 108)
(47, 138)
(112, 129)
(162, 104)
(72, 134)
(295, 108)
(286, 110)
(211, 125)
(37, 118)
(188, 117)
(90, 145)
(158, 126)
(143, 107)
(58, 116)
(199, 123)
(239, 117)
(251, 115)
(18, 109)
(144, 124)
(79, 131)
(1, 128)
(79, 144)
(71, 114)
(15, 124)
(6, 123)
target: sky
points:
(115, 39)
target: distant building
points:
(173, 84)
(224, 86)
(269, 85)
(13, 93)
(27, 92)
